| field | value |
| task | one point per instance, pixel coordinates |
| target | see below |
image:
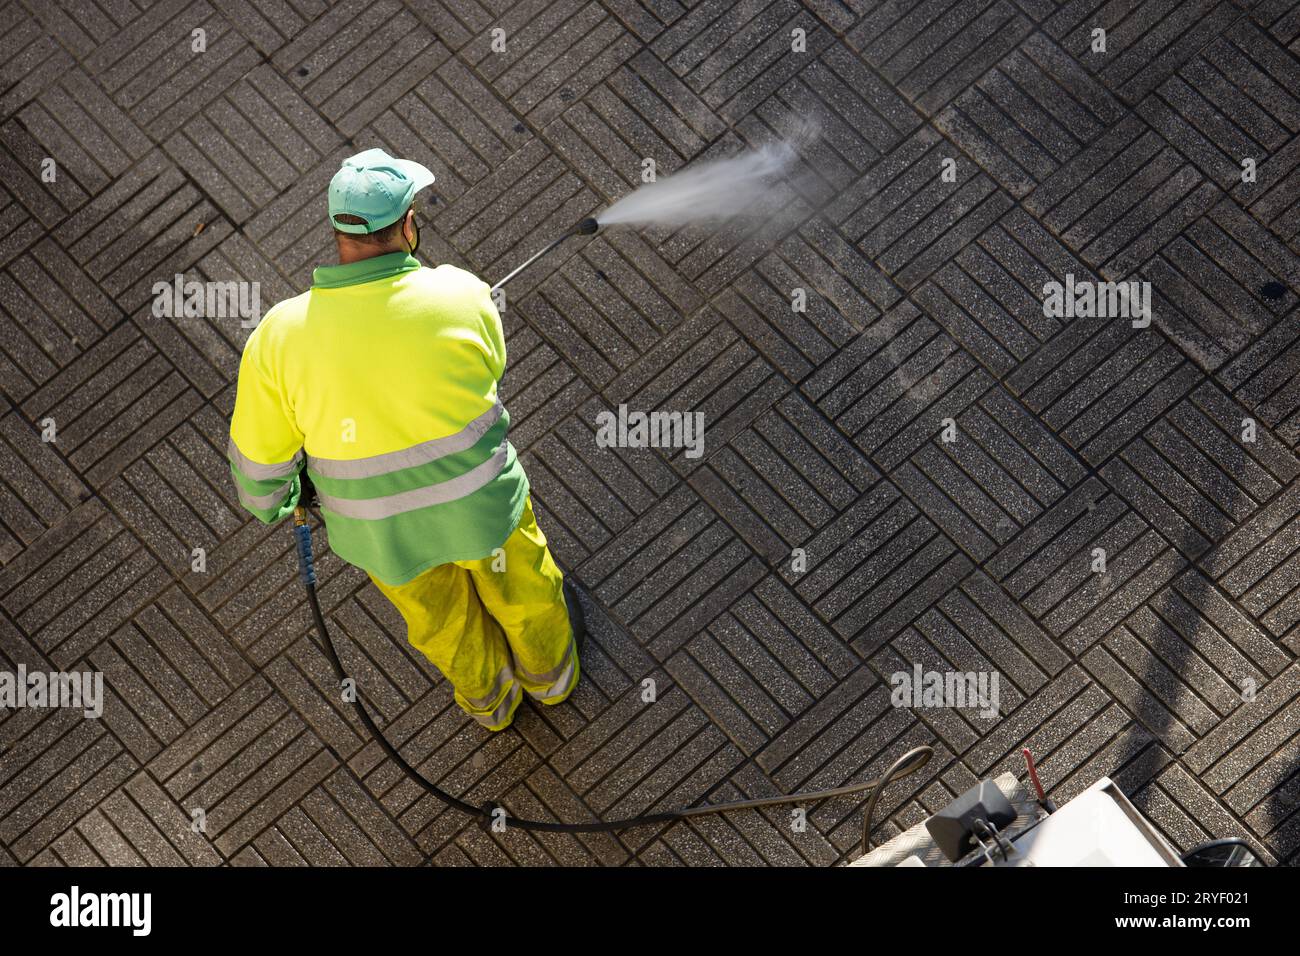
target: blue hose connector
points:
(303, 533)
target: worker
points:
(382, 380)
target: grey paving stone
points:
(152, 69)
(1209, 479)
(33, 58)
(733, 57)
(1132, 377)
(20, 164)
(1036, 109)
(1255, 563)
(1144, 44)
(929, 53)
(907, 219)
(21, 229)
(877, 567)
(988, 296)
(97, 140)
(1266, 376)
(1223, 107)
(1208, 285)
(39, 488)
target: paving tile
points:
(794, 325)
(877, 566)
(734, 56)
(761, 665)
(157, 71)
(1256, 564)
(931, 53)
(267, 24)
(786, 475)
(23, 164)
(1054, 567)
(1035, 110)
(1209, 283)
(38, 486)
(249, 145)
(600, 312)
(453, 118)
(1188, 814)
(1099, 382)
(1266, 377)
(1000, 470)
(325, 61)
(21, 228)
(33, 57)
(1223, 107)
(1145, 41)
(52, 312)
(907, 218)
(90, 137)
(1191, 474)
(707, 366)
(1119, 201)
(671, 572)
(989, 296)
(891, 387)
(855, 115)
(600, 135)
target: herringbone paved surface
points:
(1175, 671)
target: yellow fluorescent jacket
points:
(385, 375)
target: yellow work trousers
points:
(495, 627)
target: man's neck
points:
(350, 253)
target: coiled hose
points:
(910, 762)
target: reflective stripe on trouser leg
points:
(527, 601)
(447, 623)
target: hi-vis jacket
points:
(385, 374)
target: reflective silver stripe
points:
(479, 703)
(550, 676)
(420, 454)
(561, 685)
(256, 470)
(262, 502)
(502, 712)
(444, 491)
(558, 689)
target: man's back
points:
(385, 374)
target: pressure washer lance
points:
(490, 813)
(588, 227)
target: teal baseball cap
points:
(375, 187)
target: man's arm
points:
(493, 335)
(265, 449)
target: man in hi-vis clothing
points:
(385, 375)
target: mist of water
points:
(712, 190)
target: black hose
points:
(893, 773)
(910, 762)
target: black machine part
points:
(1230, 851)
(978, 813)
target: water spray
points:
(714, 190)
